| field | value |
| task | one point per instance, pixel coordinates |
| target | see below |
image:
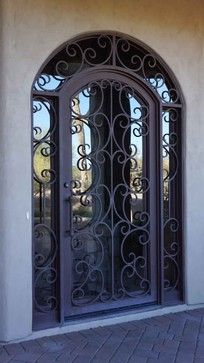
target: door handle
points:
(66, 185)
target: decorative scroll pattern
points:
(172, 201)
(109, 50)
(110, 188)
(46, 245)
(98, 218)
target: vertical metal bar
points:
(114, 49)
(54, 189)
(62, 117)
(32, 212)
(65, 140)
(179, 186)
(152, 166)
(112, 192)
(160, 191)
(183, 186)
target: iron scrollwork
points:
(98, 218)
(172, 201)
(110, 230)
(108, 50)
(44, 173)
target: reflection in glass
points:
(44, 203)
(170, 207)
(110, 187)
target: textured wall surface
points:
(30, 31)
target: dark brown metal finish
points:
(112, 236)
(107, 180)
(46, 204)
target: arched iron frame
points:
(94, 53)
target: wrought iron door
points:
(107, 179)
(109, 194)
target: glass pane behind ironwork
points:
(172, 204)
(110, 187)
(45, 195)
(107, 50)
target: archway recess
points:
(78, 94)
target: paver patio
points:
(177, 337)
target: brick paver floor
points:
(169, 338)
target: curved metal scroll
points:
(45, 175)
(110, 191)
(107, 50)
(110, 178)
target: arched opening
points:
(107, 189)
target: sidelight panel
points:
(172, 204)
(45, 196)
(107, 179)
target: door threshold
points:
(90, 323)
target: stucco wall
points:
(31, 30)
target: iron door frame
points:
(65, 175)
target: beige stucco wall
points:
(31, 30)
